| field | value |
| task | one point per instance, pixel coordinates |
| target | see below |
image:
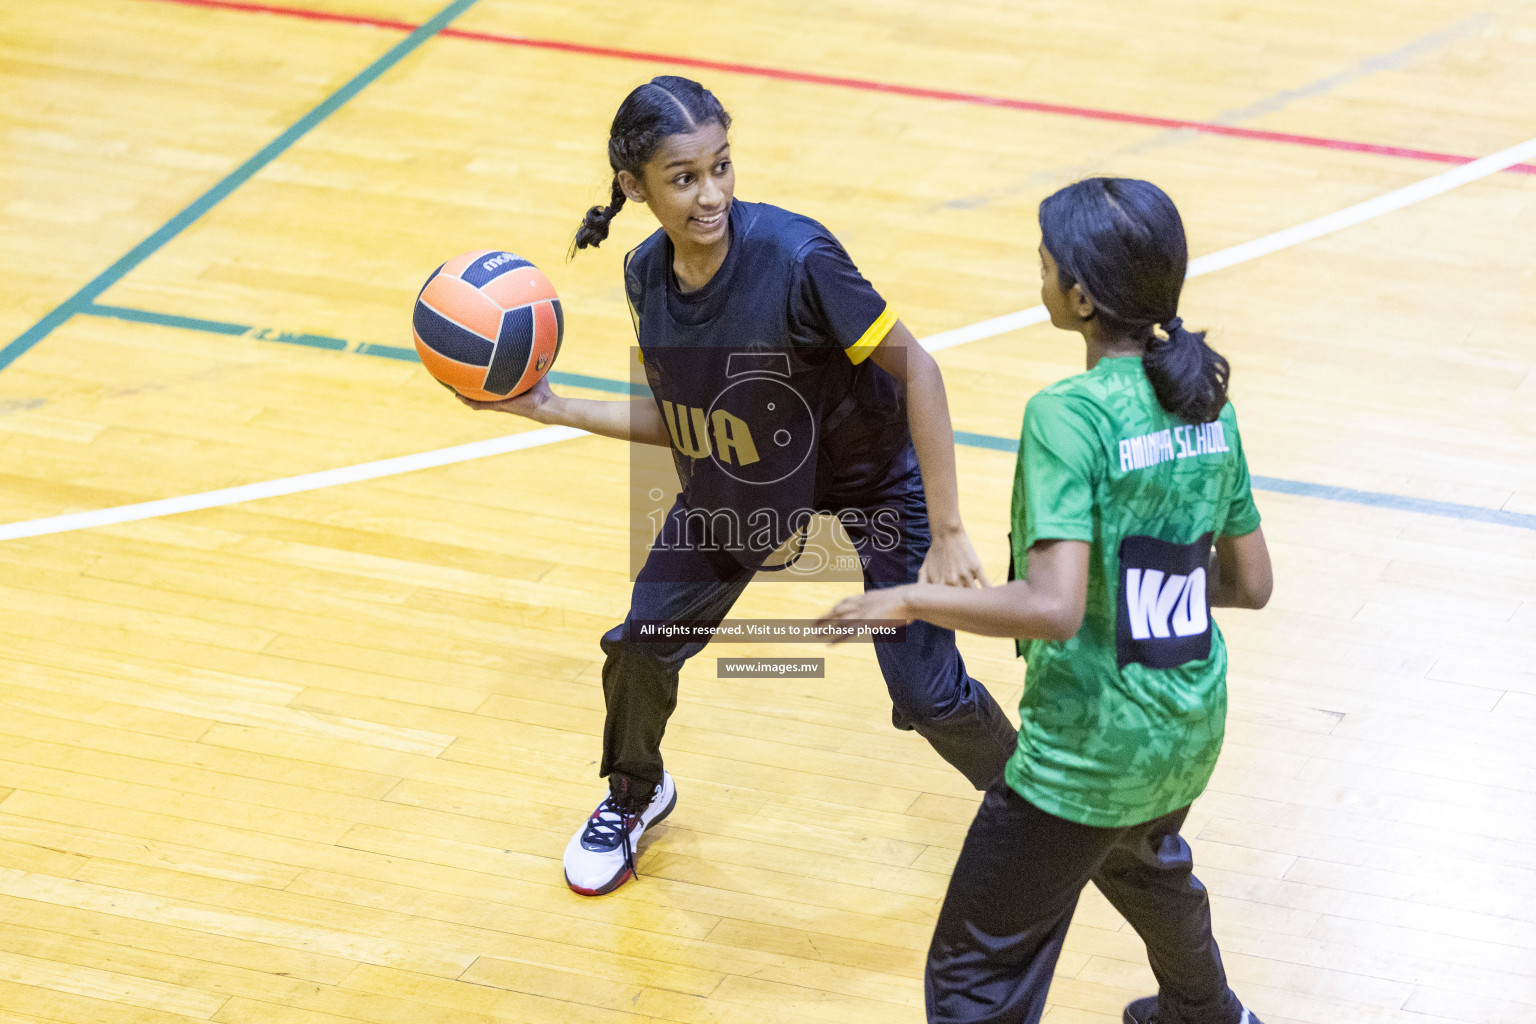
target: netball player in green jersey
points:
(1132, 517)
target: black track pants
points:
(930, 690)
(1012, 895)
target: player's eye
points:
(721, 166)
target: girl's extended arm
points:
(1240, 574)
(1048, 604)
(951, 559)
(637, 420)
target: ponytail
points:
(594, 226)
(666, 105)
(1187, 375)
(1123, 241)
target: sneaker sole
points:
(626, 874)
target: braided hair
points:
(1122, 240)
(666, 105)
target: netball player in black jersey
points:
(724, 280)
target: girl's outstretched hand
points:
(886, 606)
(526, 404)
(952, 561)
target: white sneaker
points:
(601, 855)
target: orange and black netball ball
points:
(488, 324)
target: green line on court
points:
(78, 302)
(365, 348)
(144, 316)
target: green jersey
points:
(1122, 723)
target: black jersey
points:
(763, 375)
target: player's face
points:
(1050, 290)
(689, 184)
(1068, 309)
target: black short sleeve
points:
(831, 302)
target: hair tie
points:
(1165, 332)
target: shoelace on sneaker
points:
(605, 833)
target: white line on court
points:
(290, 484)
(1327, 224)
(1231, 257)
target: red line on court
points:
(297, 12)
(863, 84)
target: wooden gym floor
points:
(313, 759)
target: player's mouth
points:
(710, 222)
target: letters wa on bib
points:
(1123, 723)
(763, 376)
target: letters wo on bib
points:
(1163, 618)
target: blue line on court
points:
(143, 316)
(271, 151)
(998, 444)
(1398, 502)
(366, 348)
(1300, 488)
(1347, 495)
(617, 387)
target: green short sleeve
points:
(1242, 513)
(1062, 457)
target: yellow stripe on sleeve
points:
(860, 350)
